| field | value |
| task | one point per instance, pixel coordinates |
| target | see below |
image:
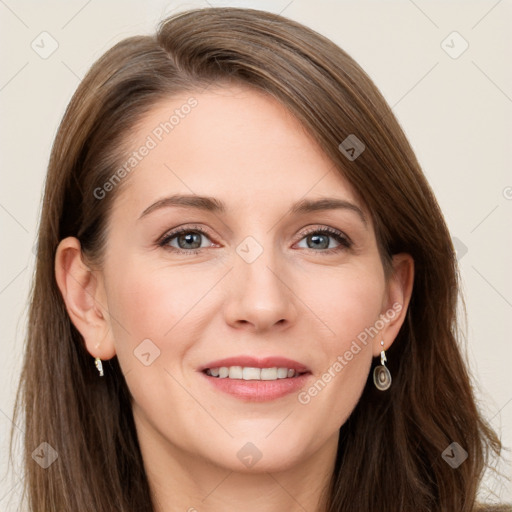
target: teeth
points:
(235, 372)
(282, 373)
(248, 373)
(269, 373)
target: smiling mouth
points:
(251, 373)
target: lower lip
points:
(258, 390)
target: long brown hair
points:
(390, 449)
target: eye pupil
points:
(190, 238)
(317, 237)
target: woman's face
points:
(254, 274)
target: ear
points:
(396, 301)
(84, 295)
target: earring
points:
(381, 375)
(99, 365)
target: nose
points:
(260, 295)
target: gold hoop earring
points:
(381, 376)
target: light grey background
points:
(457, 113)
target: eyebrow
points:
(211, 204)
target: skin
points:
(294, 300)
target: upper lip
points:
(257, 362)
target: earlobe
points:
(84, 297)
(396, 301)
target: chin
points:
(260, 455)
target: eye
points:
(186, 240)
(189, 240)
(319, 240)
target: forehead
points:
(232, 142)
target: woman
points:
(245, 295)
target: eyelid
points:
(184, 228)
(326, 229)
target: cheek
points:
(349, 307)
(155, 303)
(154, 314)
(347, 303)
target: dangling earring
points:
(381, 375)
(99, 365)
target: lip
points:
(257, 362)
(258, 390)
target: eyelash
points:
(344, 241)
